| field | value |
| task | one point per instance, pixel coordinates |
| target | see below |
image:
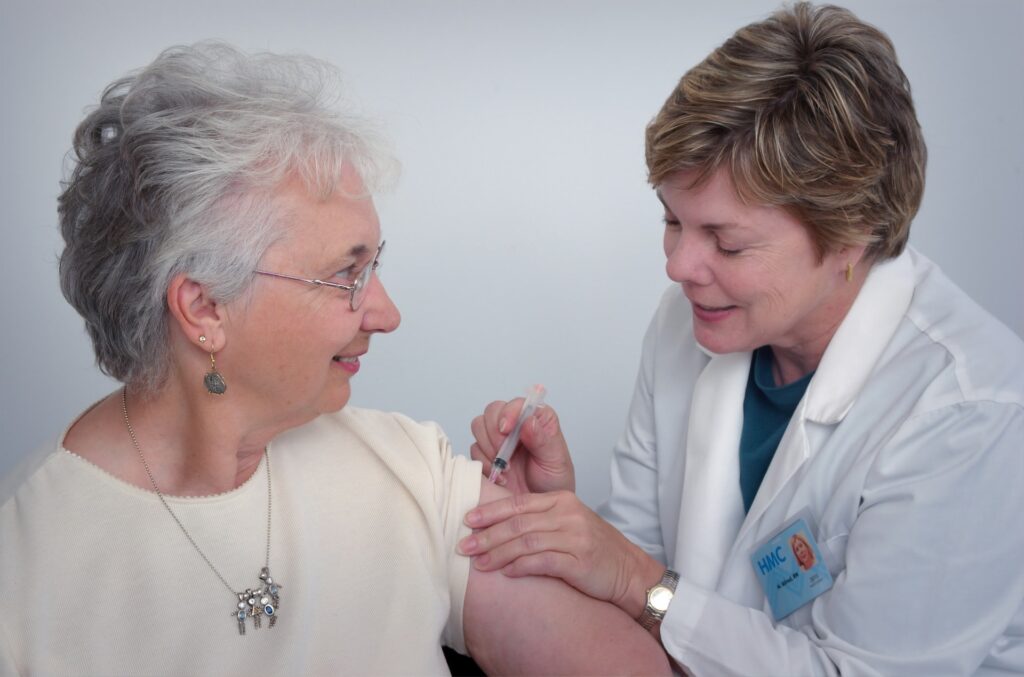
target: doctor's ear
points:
(196, 313)
(855, 254)
(849, 258)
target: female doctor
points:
(807, 373)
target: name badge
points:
(791, 569)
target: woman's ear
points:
(855, 253)
(848, 259)
(196, 313)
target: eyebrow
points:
(356, 252)
(706, 226)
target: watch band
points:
(657, 604)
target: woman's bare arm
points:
(540, 625)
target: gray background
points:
(523, 243)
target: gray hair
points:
(174, 174)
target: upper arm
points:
(540, 625)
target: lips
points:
(711, 313)
(349, 364)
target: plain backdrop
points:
(523, 242)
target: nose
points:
(686, 260)
(380, 314)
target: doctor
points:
(808, 375)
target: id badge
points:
(791, 568)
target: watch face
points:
(660, 597)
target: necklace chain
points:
(160, 495)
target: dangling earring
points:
(849, 272)
(213, 380)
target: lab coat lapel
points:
(711, 508)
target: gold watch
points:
(658, 598)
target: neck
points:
(194, 445)
(789, 365)
(797, 358)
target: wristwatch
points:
(658, 599)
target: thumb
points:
(542, 435)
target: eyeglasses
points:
(356, 290)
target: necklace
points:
(254, 603)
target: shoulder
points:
(368, 427)
(373, 442)
(948, 387)
(20, 477)
(947, 375)
(974, 356)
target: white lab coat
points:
(908, 451)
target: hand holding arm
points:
(541, 461)
(538, 625)
(555, 535)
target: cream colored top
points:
(96, 578)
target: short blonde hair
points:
(810, 111)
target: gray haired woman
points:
(222, 513)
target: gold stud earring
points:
(849, 272)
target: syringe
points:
(534, 398)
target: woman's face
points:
(293, 348)
(803, 553)
(751, 272)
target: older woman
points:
(221, 513)
(807, 373)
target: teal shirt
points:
(767, 409)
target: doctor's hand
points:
(555, 534)
(541, 460)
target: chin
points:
(335, 401)
(719, 345)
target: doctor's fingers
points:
(542, 435)
(498, 545)
(485, 428)
(499, 419)
(528, 521)
(549, 553)
(477, 453)
(489, 514)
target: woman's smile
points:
(705, 313)
(349, 364)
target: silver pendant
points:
(259, 602)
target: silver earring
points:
(213, 380)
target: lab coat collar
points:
(859, 341)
